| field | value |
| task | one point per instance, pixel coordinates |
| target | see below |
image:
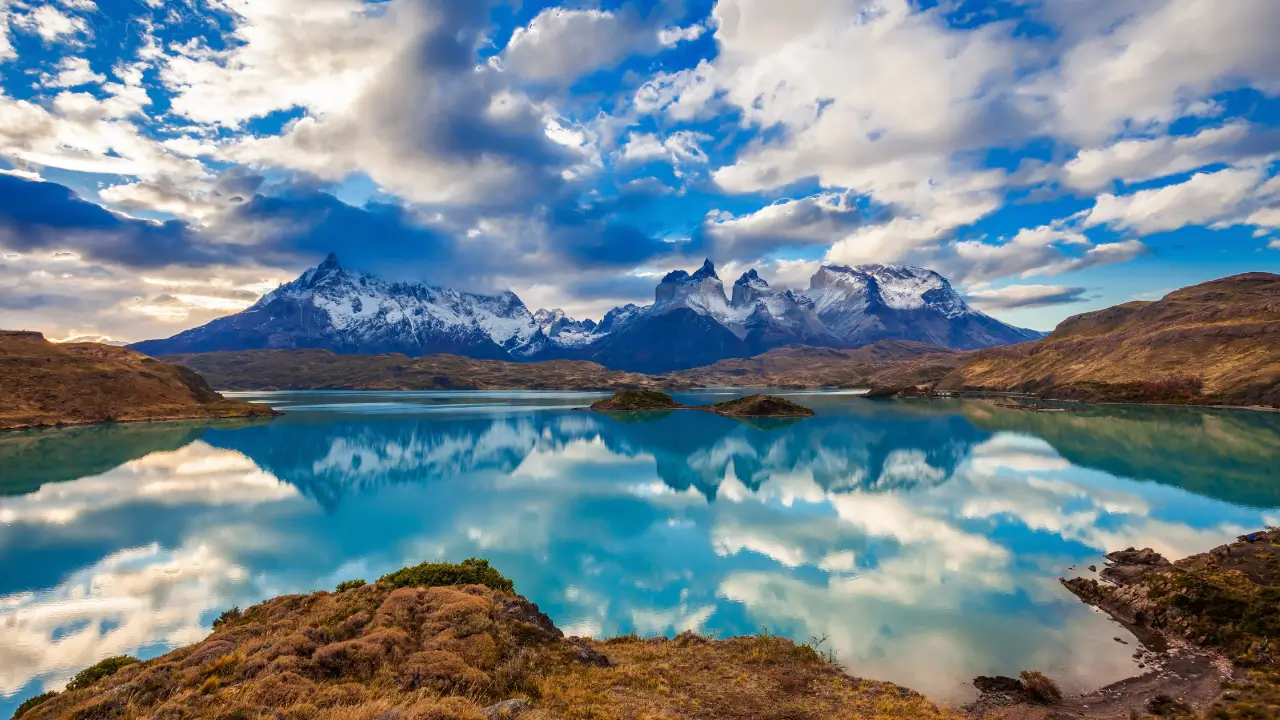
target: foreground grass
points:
(450, 642)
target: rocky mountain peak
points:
(749, 288)
(708, 270)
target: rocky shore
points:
(1210, 631)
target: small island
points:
(752, 406)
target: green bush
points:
(472, 571)
(107, 667)
(350, 585)
(228, 616)
(32, 702)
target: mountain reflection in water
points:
(923, 540)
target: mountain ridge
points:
(691, 323)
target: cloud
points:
(1016, 297)
(682, 146)
(196, 200)
(449, 132)
(1136, 160)
(50, 23)
(85, 133)
(74, 72)
(814, 221)
(1143, 66)
(682, 95)
(1205, 199)
(45, 215)
(560, 45)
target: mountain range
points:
(691, 323)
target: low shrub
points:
(350, 585)
(472, 571)
(228, 616)
(32, 702)
(1040, 689)
(91, 675)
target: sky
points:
(165, 162)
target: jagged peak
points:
(330, 262)
(751, 277)
(707, 270)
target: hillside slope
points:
(1214, 343)
(888, 363)
(44, 384)
(323, 370)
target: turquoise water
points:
(921, 541)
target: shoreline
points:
(1175, 611)
(168, 419)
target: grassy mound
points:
(450, 651)
(761, 406)
(636, 401)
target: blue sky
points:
(166, 161)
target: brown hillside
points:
(323, 370)
(45, 384)
(1217, 342)
(894, 363)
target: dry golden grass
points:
(448, 653)
(43, 384)
(323, 370)
(1217, 342)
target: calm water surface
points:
(922, 540)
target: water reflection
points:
(922, 539)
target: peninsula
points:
(44, 384)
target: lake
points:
(921, 541)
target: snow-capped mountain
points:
(690, 323)
(564, 331)
(868, 303)
(345, 311)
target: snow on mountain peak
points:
(707, 270)
(701, 292)
(899, 287)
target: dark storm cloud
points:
(39, 302)
(47, 216)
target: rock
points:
(588, 655)
(1093, 568)
(999, 685)
(1146, 556)
(1130, 565)
(1122, 642)
(506, 710)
